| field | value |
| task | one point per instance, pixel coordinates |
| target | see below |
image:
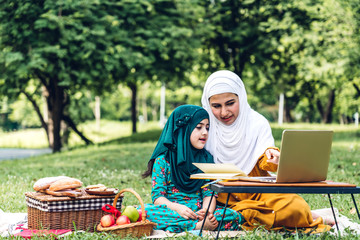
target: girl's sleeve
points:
(206, 192)
(158, 181)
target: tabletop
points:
(311, 188)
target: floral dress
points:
(170, 220)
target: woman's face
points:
(199, 135)
(225, 107)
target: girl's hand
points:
(185, 212)
(273, 156)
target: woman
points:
(240, 135)
(180, 203)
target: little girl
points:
(179, 203)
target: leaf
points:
(12, 57)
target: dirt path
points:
(16, 153)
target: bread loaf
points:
(96, 186)
(65, 183)
(44, 183)
(64, 193)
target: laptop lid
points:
(304, 155)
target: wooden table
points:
(324, 187)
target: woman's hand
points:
(273, 156)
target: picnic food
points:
(131, 212)
(107, 220)
(98, 187)
(59, 186)
(122, 220)
(44, 183)
(64, 193)
(65, 183)
(140, 215)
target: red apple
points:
(140, 215)
(122, 220)
(107, 220)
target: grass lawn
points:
(120, 162)
(109, 130)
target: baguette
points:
(64, 193)
(66, 183)
(44, 183)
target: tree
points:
(258, 41)
(61, 47)
(328, 46)
(161, 42)
(301, 48)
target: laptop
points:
(304, 157)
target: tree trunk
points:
(287, 108)
(56, 107)
(357, 90)
(143, 104)
(56, 103)
(328, 116)
(65, 133)
(320, 109)
(97, 113)
(133, 88)
(71, 124)
(38, 112)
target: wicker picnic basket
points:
(136, 229)
(51, 212)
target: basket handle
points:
(143, 214)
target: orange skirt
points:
(274, 211)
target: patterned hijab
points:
(246, 139)
(174, 142)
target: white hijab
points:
(246, 139)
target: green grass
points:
(109, 130)
(120, 162)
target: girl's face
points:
(225, 107)
(199, 135)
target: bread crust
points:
(66, 193)
(44, 183)
(96, 186)
(66, 183)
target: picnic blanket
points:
(13, 223)
(10, 221)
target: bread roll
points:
(95, 186)
(44, 183)
(66, 183)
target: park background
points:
(95, 80)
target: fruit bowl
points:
(136, 229)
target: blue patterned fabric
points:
(169, 220)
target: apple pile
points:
(129, 215)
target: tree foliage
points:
(62, 47)
(71, 51)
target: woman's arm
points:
(269, 160)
